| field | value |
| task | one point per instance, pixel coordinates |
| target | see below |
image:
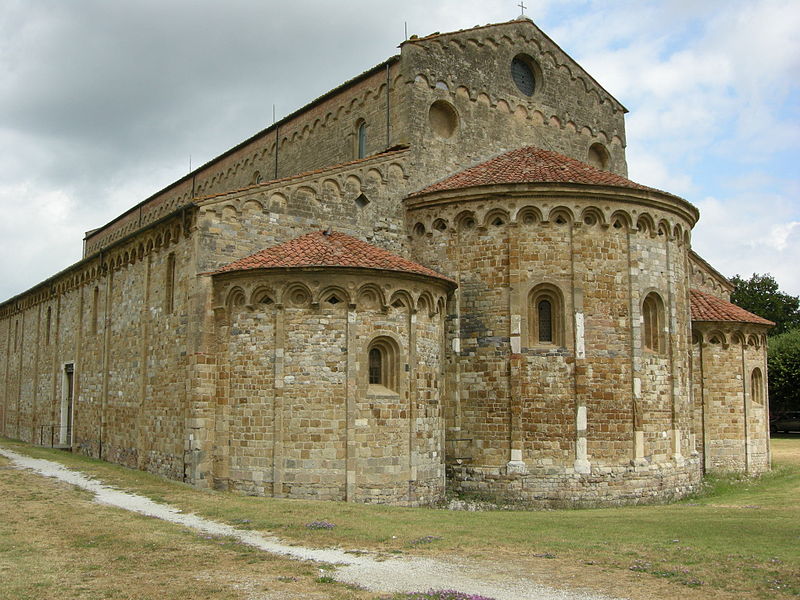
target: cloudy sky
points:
(104, 102)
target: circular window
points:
(443, 118)
(523, 73)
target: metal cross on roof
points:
(522, 8)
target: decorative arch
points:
(370, 296)
(465, 220)
(236, 298)
(546, 316)
(262, 296)
(592, 216)
(402, 300)
(561, 215)
(646, 224)
(529, 215)
(621, 220)
(334, 297)
(497, 217)
(296, 295)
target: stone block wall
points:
(593, 403)
(296, 414)
(108, 321)
(731, 415)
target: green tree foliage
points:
(783, 363)
(760, 295)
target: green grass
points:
(739, 538)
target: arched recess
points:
(757, 386)
(334, 297)
(496, 217)
(383, 363)
(621, 220)
(236, 299)
(262, 296)
(402, 300)
(561, 215)
(465, 220)
(370, 297)
(592, 215)
(546, 316)
(296, 295)
(653, 319)
(529, 215)
(646, 224)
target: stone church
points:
(436, 276)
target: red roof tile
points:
(334, 249)
(531, 165)
(706, 307)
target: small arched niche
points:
(443, 119)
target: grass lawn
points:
(740, 539)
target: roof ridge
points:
(531, 164)
(328, 249)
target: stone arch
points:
(262, 295)
(296, 295)
(235, 299)
(277, 202)
(716, 336)
(528, 215)
(370, 296)
(496, 217)
(645, 224)
(561, 215)
(333, 296)
(426, 305)
(757, 386)
(620, 219)
(592, 215)
(252, 205)
(663, 229)
(402, 300)
(439, 225)
(752, 340)
(466, 220)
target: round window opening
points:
(522, 72)
(443, 118)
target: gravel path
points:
(390, 575)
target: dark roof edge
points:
(188, 177)
(313, 268)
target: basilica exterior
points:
(436, 276)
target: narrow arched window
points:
(545, 316)
(362, 140)
(653, 323)
(375, 366)
(95, 309)
(382, 367)
(545, 310)
(757, 386)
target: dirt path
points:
(394, 574)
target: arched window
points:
(757, 386)
(653, 323)
(382, 368)
(362, 140)
(545, 316)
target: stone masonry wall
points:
(296, 415)
(595, 403)
(107, 320)
(471, 72)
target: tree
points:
(760, 295)
(783, 364)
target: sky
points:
(103, 103)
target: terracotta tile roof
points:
(706, 307)
(531, 165)
(334, 249)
